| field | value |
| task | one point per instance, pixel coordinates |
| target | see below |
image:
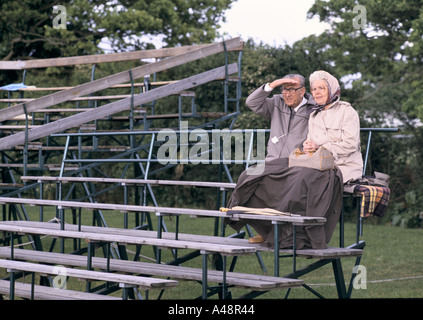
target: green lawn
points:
(392, 260)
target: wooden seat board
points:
(253, 281)
(144, 282)
(23, 290)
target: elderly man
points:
(288, 113)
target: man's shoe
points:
(257, 239)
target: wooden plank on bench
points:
(145, 283)
(222, 185)
(331, 252)
(111, 206)
(104, 58)
(255, 282)
(23, 290)
(164, 243)
(90, 98)
(114, 107)
(328, 253)
(119, 78)
(296, 220)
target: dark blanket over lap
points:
(297, 190)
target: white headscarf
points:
(332, 83)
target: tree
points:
(35, 29)
(380, 42)
(48, 29)
(376, 48)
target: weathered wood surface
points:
(296, 220)
(332, 252)
(124, 239)
(118, 78)
(141, 282)
(103, 58)
(111, 206)
(245, 280)
(114, 107)
(225, 185)
(23, 290)
(90, 98)
(125, 85)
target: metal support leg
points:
(224, 279)
(205, 272)
(353, 275)
(12, 273)
(12, 285)
(258, 254)
(125, 201)
(276, 248)
(90, 254)
(62, 227)
(294, 248)
(339, 278)
(159, 235)
(341, 228)
(32, 285)
(124, 293)
(126, 290)
(204, 278)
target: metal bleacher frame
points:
(134, 147)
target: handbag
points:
(321, 159)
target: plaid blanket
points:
(374, 200)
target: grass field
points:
(392, 260)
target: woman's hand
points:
(310, 146)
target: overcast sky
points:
(274, 22)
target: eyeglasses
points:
(290, 90)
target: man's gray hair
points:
(297, 77)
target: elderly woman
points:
(305, 191)
(335, 126)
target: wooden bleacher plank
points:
(205, 248)
(89, 98)
(49, 166)
(238, 279)
(296, 220)
(145, 283)
(137, 240)
(17, 127)
(83, 148)
(124, 85)
(223, 185)
(119, 78)
(114, 107)
(18, 165)
(92, 98)
(331, 252)
(23, 290)
(103, 58)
